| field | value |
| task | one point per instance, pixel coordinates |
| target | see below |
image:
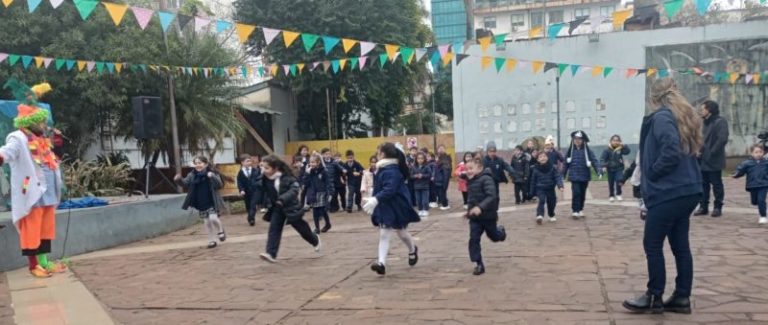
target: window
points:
(517, 21)
(489, 22)
(555, 16)
(586, 123)
(542, 108)
(581, 13)
(541, 124)
(601, 122)
(511, 109)
(497, 127)
(511, 126)
(570, 106)
(607, 11)
(599, 104)
(537, 19)
(497, 110)
(483, 127)
(526, 109)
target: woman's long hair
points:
(664, 93)
(276, 163)
(389, 150)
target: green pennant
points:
(405, 54)
(500, 63)
(561, 68)
(99, 67)
(383, 60)
(60, 63)
(673, 7)
(143, 67)
(309, 41)
(353, 63)
(85, 7)
(134, 68)
(499, 39)
(244, 71)
(607, 71)
(293, 69)
(13, 58)
(261, 71)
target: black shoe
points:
(503, 233)
(326, 228)
(413, 258)
(677, 304)
(251, 223)
(701, 212)
(716, 213)
(317, 231)
(645, 304)
(379, 268)
(212, 244)
(349, 210)
(359, 208)
(479, 269)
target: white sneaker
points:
(433, 204)
(319, 245)
(539, 219)
(466, 207)
(763, 221)
(611, 199)
(263, 210)
(575, 215)
(552, 219)
(445, 208)
(268, 258)
(581, 214)
(619, 198)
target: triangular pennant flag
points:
(447, 58)
(619, 17)
(26, 60)
(458, 47)
(90, 65)
(342, 63)
(244, 32)
(352, 63)
(70, 65)
(366, 47)
(574, 24)
(309, 41)
(485, 62)
(335, 65)
(99, 67)
(329, 43)
(326, 65)
(561, 68)
(118, 67)
(222, 25)
(511, 64)
(420, 53)
(435, 60)
(631, 73)
(56, 3)
(537, 65)
(292, 69)
(47, 62)
(348, 44)
(289, 37)
(587, 69)
(574, 69)
(443, 49)
(748, 78)
(85, 7)
(607, 71)
(535, 31)
(314, 66)
(499, 39)
(116, 11)
(673, 7)
(733, 77)
(460, 57)
(3, 56)
(702, 6)
(663, 73)
(549, 66)
(59, 63)
(38, 61)
(363, 59)
(111, 67)
(143, 67)
(756, 78)
(262, 72)
(596, 71)
(32, 4)
(80, 65)
(650, 72)
(500, 64)
(201, 23)
(391, 51)
(382, 60)
(406, 53)
(244, 71)
(7, 3)
(143, 15)
(485, 43)
(553, 30)
(273, 70)
(166, 18)
(183, 21)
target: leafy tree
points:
(378, 92)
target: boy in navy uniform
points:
(354, 171)
(248, 185)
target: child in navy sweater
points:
(421, 174)
(577, 163)
(756, 169)
(354, 171)
(319, 188)
(544, 178)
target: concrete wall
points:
(103, 227)
(510, 107)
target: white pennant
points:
(749, 78)
(90, 65)
(314, 65)
(366, 47)
(56, 3)
(420, 54)
(47, 62)
(200, 23)
(270, 34)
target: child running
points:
(366, 187)
(203, 185)
(612, 160)
(461, 176)
(247, 182)
(389, 207)
(281, 197)
(756, 169)
(421, 174)
(578, 161)
(483, 204)
(544, 178)
(319, 188)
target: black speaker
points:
(147, 117)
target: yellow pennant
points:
(273, 70)
(596, 71)
(651, 72)
(348, 44)
(485, 43)
(535, 32)
(80, 65)
(391, 51)
(38, 61)
(300, 67)
(244, 31)
(447, 58)
(733, 77)
(118, 67)
(7, 3)
(289, 37)
(537, 65)
(485, 62)
(342, 62)
(619, 17)
(116, 11)
(511, 64)
(756, 78)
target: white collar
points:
(386, 162)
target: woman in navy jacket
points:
(671, 189)
(390, 207)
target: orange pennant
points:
(116, 11)
(511, 64)
(7, 3)
(631, 73)
(535, 32)
(38, 61)
(485, 43)
(651, 72)
(244, 32)
(289, 37)
(391, 51)
(342, 63)
(118, 67)
(80, 65)
(596, 71)
(537, 65)
(619, 17)
(300, 66)
(348, 44)
(756, 78)
(273, 70)
(485, 62)
(733, 77)
(447, 58)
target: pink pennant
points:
(748, 80)
(314, 65)
(56, 3)
(143, 15)
(270, 34)
(287, 69)
(366, 47)
(443, 49)
(90, 65)
(3, 56)
(46, 62)
(523, 65)
(200, 23)
(362, 61)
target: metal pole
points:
(328, 110)
(434, 116)
(557, 86)
(146, 183)
(172, 99)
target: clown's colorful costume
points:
(35, 179)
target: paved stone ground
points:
(570, 272)
(6, 311)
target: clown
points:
(35, 179)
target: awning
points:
(260, 109)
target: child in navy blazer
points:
(544, 178)
(319, 187)
(354, 171)
(577, 163)
(756, 169)
(421, 175)
(248, 179)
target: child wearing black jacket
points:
(756, 169)
(612, 160)
(421, 175)
(354, 171)
(203, 184)
(248, 184)
(483, 216)
(318, 187)
(544, 178)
